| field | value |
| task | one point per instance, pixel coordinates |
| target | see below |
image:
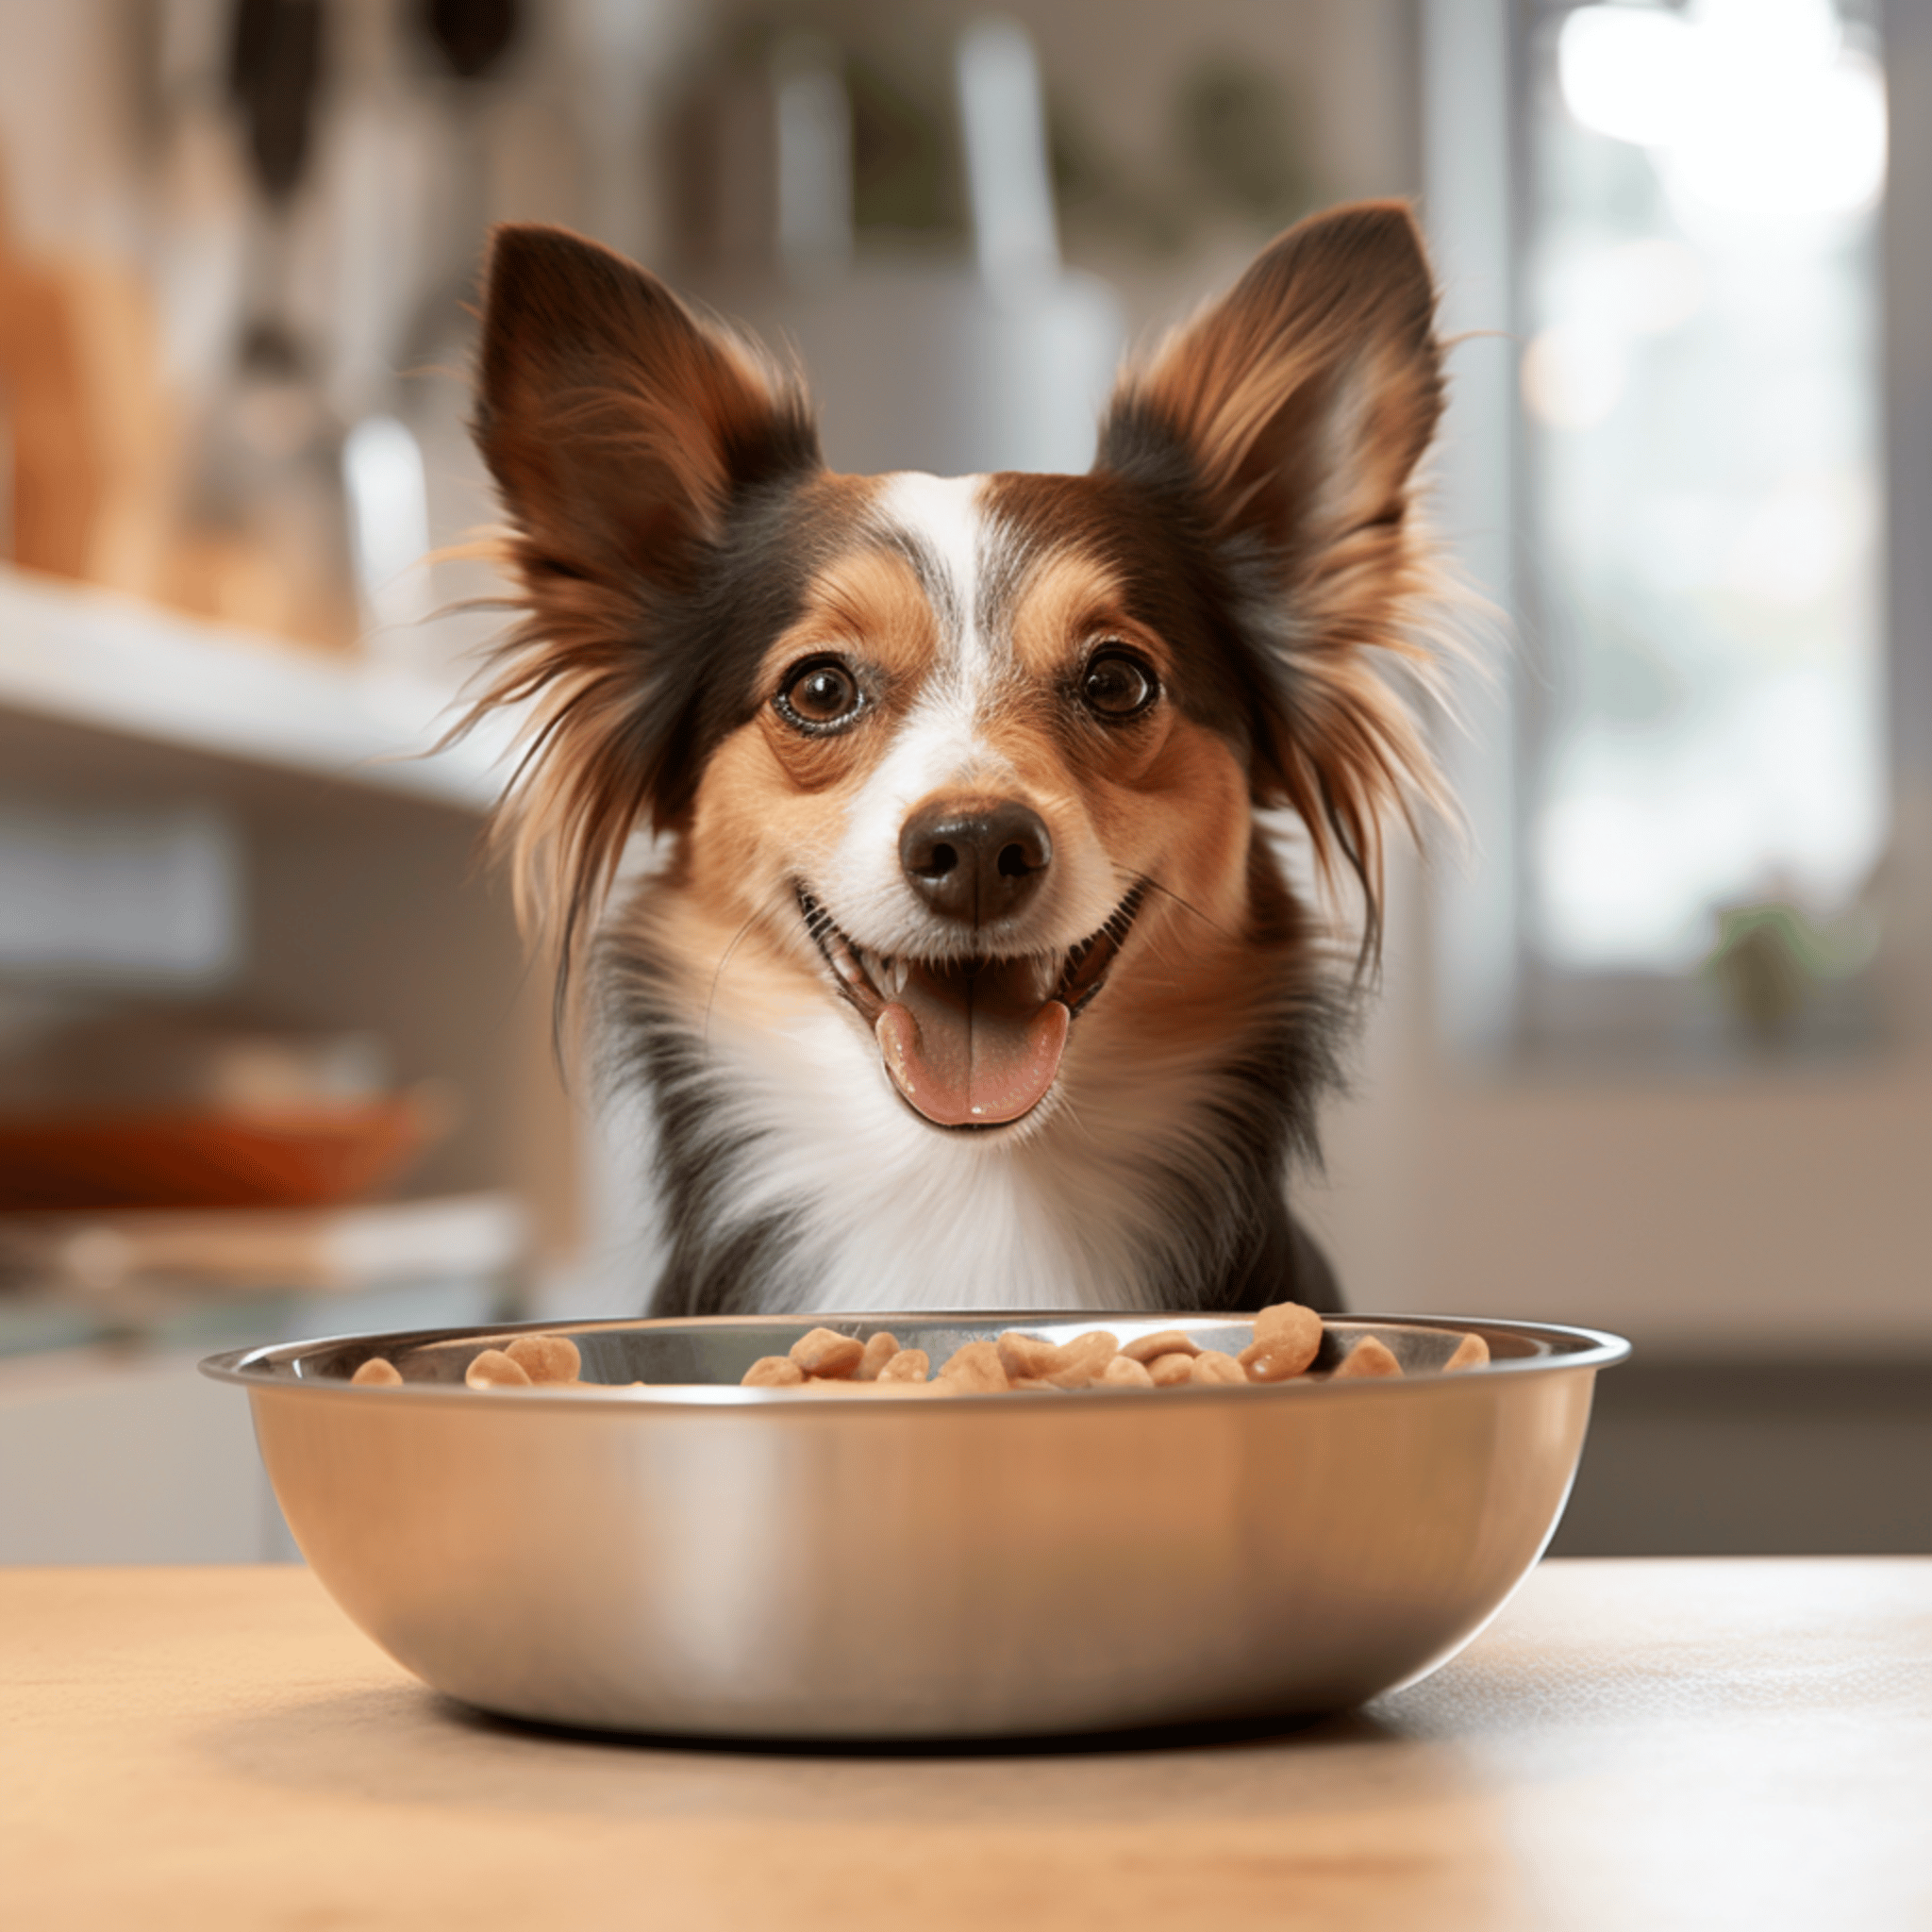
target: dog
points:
(970, 973)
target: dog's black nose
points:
(975, 861)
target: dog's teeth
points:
(848, 968)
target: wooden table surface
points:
(1632, 1745)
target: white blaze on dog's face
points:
(965, 759)
(966, 765)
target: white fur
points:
(941, 745)
(1073, 1209)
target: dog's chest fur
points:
(790, 1176)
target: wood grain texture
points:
(1652, 1744)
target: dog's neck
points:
(791, 1176)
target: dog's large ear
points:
(620, 430)
(1289, 418)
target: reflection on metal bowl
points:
(706, 1559)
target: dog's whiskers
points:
(751, 919)
(1154, 885)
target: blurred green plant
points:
(1771, 959)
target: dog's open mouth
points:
(970, 1043)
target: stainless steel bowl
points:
(730, 1562)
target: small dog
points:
(969, 977)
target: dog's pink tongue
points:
(972, 1050)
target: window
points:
(1696, 496)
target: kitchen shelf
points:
(104, 663)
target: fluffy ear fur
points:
(1288, 419)
(623, 433)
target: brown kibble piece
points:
(1034, 1385)
(378, 1371)
(1270, 1361)
(1150, 1348)
(1472, 1351)
(1123, 1372)
(975, 1369)
(1368, 1358)
(772, 1372)
(1170, 1371)
(547, 1357)
(493, 1368)
(1211, 1365)
(909, 1365)
(1026, 1357)
(1083, 1361)
(879, 1350)
(1293, 1332)
(827, 1354)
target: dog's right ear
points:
(620, 430)
(617, 425)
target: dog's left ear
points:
(1289, 417)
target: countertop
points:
(1631, 1746)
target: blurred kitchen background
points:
(1654, 1046)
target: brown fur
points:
(618, 426)
(1249, 530)
(1306, 397)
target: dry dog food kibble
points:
(1285, 1345)
(1272, 1361)
(1082, 1361)
(879, 1352)
(976, 1369)
(1367, 1358)
(773, 1371)
(547, 1357)
(1149, 1348)
(826, 1354)
(493, 1368)
(1212, 1365)
(1288, 1336)
(1027, 1358)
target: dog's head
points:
(960, 748)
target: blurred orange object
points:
(56, 485)
(303, 1157)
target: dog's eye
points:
(821, 696)
(1118, 684)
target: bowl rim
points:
(277, 1366)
